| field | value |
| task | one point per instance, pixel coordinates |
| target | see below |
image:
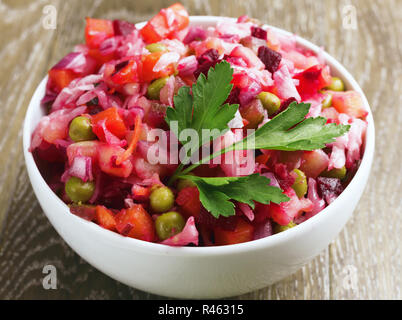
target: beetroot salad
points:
(185, 135)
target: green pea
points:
(327, 102)
(278, 228)
(156, 47)
(335, 173)
(300, 184)
(161, 199)
(81, 129)
(184, 183)
(270, 102)
(169, 224)
(336, 84)
(155, 87)
(78, 190)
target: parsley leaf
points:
(290, 131)
(216, 193)
(204, 109)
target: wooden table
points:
(364, 261)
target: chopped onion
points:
(187, 66)
(82, 168)
(166, 59)
(188, 235)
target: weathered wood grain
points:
(364, 262)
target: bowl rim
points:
(263, 243)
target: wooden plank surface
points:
(364, 262)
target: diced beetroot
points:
(233, 97)
(261, 212)
(270, 58)
(50, 152)
(314, 162)
(248, 56)
(286, 103)
(208, 221)
(107, 156)
(253, 113)
(259, 33)
(285, 212)
(189, 202)
(329, 188)
(228, 223)
(122, 28)
(205, 219)
(263, 230)
(207, 60)
(349, 102)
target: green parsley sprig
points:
(205, 109)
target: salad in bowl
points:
(189, 135)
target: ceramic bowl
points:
(201, 272)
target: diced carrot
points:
(114, 123)
(133, 142)
(105, 218)
(136, 223)
(243, 232)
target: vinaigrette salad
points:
(185, 135)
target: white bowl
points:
(200, 272)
